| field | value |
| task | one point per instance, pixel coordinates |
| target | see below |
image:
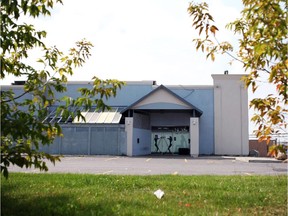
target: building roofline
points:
(141, 82)
(227, 76)
(170, 92)
(189, 87)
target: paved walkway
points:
(175, 165)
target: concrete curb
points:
(213, 157)
(258, 160)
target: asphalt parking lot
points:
(159, 165)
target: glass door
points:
(169, 140)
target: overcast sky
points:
(140, 40)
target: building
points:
(147, 118)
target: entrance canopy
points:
(163, 98)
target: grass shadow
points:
(50, 205)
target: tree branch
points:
(239, 60)
(25, 92)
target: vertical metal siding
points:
(89, 140)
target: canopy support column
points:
(194, 137)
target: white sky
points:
(140, 40)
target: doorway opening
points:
(170, 140)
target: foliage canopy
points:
(23, 128)
(263, 49)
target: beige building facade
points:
(231, 115)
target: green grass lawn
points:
(76, 194)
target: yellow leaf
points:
(213, 29)
(46, 104)
(35, 100)
(49, 133)
(212, 57)
(286, 62)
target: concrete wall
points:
(194, 137)
(231, 115)
(138, 135)
(129, 135)
(141, 141)
(141, 134)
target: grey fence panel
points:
(107, 140)
(97, 140)
(87, 139)
(52, 148)
(75, 140)
(111, 142)
(122, 139)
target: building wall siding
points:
(231, 115)
(202, 98)
(89, 140)
(105, 139)
(141, 141)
